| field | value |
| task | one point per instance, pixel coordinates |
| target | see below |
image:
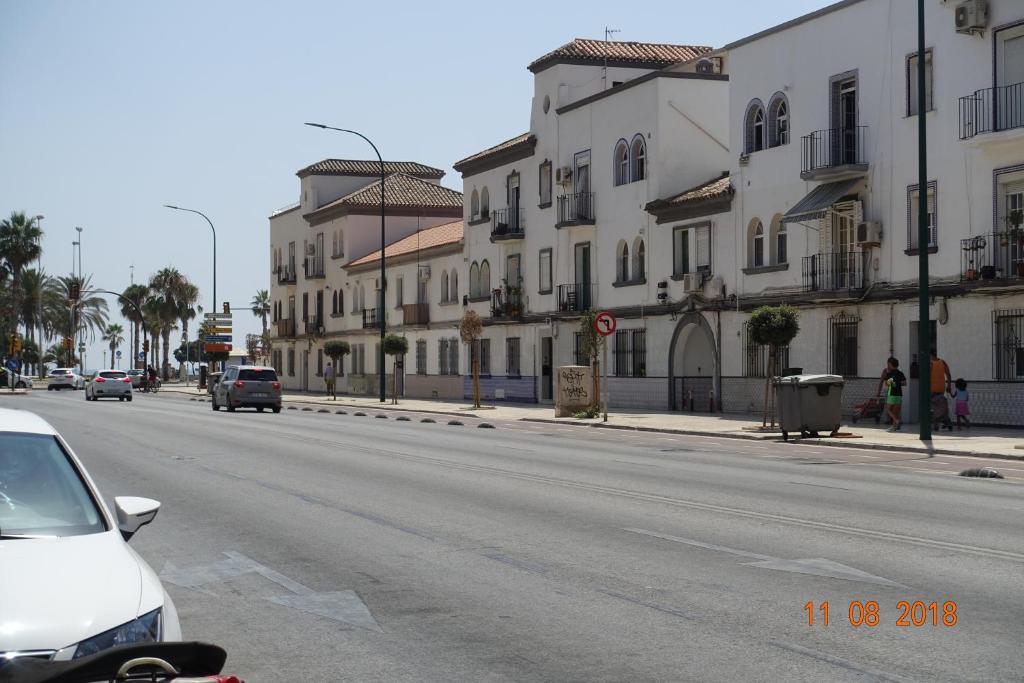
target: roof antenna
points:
(608, 33)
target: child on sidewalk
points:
(962, 399)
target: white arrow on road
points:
(817, 566)
(344, 606)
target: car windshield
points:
(41, 493)
(59, 371)
(258, 375)
(113, 374)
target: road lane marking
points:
(872, 674)
(814, 566)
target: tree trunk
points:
(166, 348)
(476, 380)
(595, 366)
(394, 383)
(135, 349)
(767, 388)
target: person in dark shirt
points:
(893, 380)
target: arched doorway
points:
(693, 365)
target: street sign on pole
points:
(217, 316)
(217, 348)
(605, 323)
(118, 354)
(142, 355)
(217, 338)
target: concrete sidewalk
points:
(978, 441)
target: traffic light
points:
(227, 308)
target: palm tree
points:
(114, 336)
(39, 295)
(185, 301)
(166, 285)
(261, 307)
(20, 238)
(90, 315)
(136, 295)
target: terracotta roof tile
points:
(587, 50)
(437, 236)
(719, 187)
(522, 139)
(359, 167)
(400, 191)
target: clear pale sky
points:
(108, 110)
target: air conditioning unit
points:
(971, 16)
(869, 234)
(563, 175)
(424, 273)
(310, 249)
(693, 282)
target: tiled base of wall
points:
(441, 387)
(517, 389)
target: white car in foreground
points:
(69, 583)
(108, 384)
(65, 378)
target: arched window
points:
(638, 159)
(622, 262)
(756, 243)
(474, 205)
(474, 280)
(334, 303)
(639, 254)
(485, 278)
(777, 241)
(621, 162)
(341, 301)
(485, 203)
(753, 127)
(778, 120)
(444, 286)
(454, 286)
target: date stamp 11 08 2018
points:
(908, 614)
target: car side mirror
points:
(133, 513)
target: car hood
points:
(55, 592)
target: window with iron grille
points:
(453, 356)
(442, 356)
(579, 358)
(842, 345)
(512, 357)
(631, 353)
(291, 362)
(1008, 344)
(483, 347)
(421, 357)
(319, 362)
(755, 356)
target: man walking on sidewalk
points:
(329, 379)
(941, 384)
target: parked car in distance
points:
(248, 386)
(20, 381)
(137, 375)
(109, 384)
(65, 378)
(70, 585)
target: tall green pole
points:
(923, 336)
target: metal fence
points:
(834, 271)
(992, 256)
(842, 345)
(833, 147)
(990, 110)
(576, 208)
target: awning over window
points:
(818, 201)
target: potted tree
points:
(590, 346)
(774, 327)
(470, 329)
(395, 346)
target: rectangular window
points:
(544, 262)
(631, 353)
(545, 184)
(1008, 345)
(912, 83)
(483, 346)
(291, 362)
(442, 356)
(579, 358)
(319, 362)
(842, 345)
(512, 357)
(421, 357)
(453, 356)
(399, 296)
(913, 206)
(680, 251)
(702, 243)
(305, 306)
(755, 357)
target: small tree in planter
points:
(590, 345)
(774, 327)
(470, 329)
(395, 346)
(336, 350)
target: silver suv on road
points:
(248, 386)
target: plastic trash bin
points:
(809, 404)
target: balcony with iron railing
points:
(834, 154)
(415, 314)
(286, 327)
(575, 209)
(577, 297)
(994, 256)
(286, 274)
(507, 304)
(991, 110)
(313, 326)
(834, 272)
(314, 267)
(371, 318)
(508, 224)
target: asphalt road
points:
(328, 547)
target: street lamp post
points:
(39, 313)
(81, 277)
(214, 231)
(381, 308)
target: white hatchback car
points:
(108, 384)
(65, 378)
(69, 583)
